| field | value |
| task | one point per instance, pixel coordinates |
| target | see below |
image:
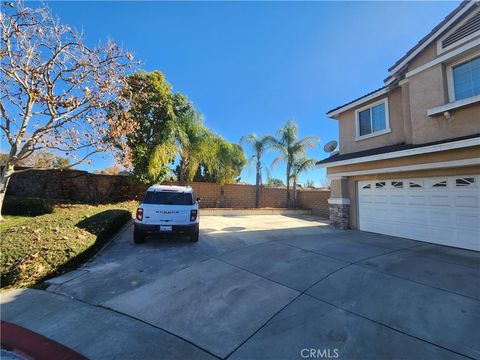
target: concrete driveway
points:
(264, 287)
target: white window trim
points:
(453, 105)
(450, 81)
(387, 129)
(441, 50)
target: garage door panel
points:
(398, 199)
(416, 216)
(440, 218)
(466, 201)
(439, 210)
(417, 200)
(381, 199)
(440, 200)
(443, 235)
(467, 220)
(397, 214)
(366, 199)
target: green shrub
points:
(26, 206)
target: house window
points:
(397, 184)
(442, 183)
(415, 184)
(465, 181)
(466, 79)
(372, 120)
(380, 185)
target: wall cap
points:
(339, 201)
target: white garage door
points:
(443, 210)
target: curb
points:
(31, 345)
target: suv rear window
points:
(168, 198)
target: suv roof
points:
(186, 189)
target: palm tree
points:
(291, 148)
(259, 146)
(300, 165)
(193, 143)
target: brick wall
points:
(317, 200)
(239, 196)
(81, 186)
(208, 192)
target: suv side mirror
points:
(199, 200)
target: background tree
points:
(55, 89)
(259, 146)
(310, 184)
(40, 160)
(152, 108)
(169, 126)
(225, 160)
(299, 166)
(195, 143)
(291, 148)
(112, 170)
(274, 182)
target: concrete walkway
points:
(263, 287)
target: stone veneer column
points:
(339, 204)
(339, 213)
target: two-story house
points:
(408, 163)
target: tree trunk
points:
(182, 173)
(288, 185)
(257, 185)
(294, 193)
(4, 180)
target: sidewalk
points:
(92, 331)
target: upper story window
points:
(372, 120)
(466, 79)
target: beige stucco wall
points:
(347, 125)
(408, 117)
(427, 90)
(409, 103)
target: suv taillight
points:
(193, 215)
(139, 215)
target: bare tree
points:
(55, 91)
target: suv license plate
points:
(165, 228)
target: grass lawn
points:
(35, 248)
(10, 220)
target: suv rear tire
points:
(138, 236)
(194, 236)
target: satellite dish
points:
(330, 146)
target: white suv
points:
(167, 210)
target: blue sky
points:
(250, 66)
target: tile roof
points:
(388, 149)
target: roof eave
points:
(333, 114)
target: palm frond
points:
(277, 160)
